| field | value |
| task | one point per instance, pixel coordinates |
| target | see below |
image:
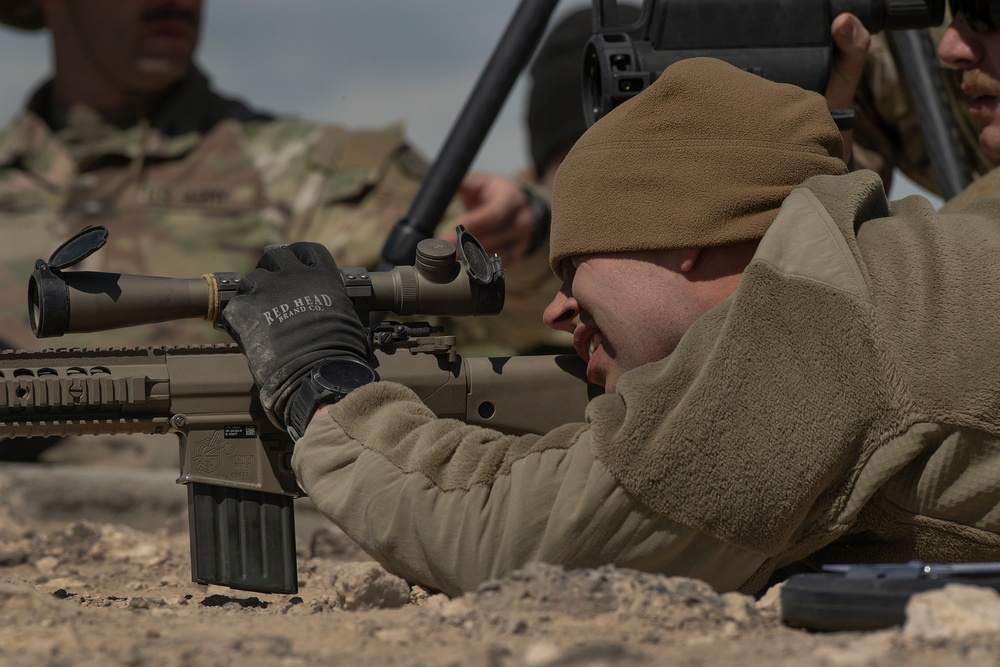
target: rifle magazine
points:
(242, 539)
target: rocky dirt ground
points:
(94, 571)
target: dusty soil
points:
(94, 571)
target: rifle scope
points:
(788, 41)
(61, 302)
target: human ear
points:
(689, 257)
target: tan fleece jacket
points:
(987, 185)
(842, 405)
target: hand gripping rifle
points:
(234, 461)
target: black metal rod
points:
(508, 59)
(918, 64)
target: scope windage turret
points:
(62, 302)
(787, 41)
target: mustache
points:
(167, 13)
(979, 81)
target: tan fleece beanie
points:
(703, 157)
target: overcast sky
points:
(354, 62)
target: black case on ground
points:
(871, 597)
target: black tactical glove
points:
(289, 313)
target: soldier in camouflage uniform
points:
(212, 198)
(129, 134)
(188, 181)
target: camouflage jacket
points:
(199, 183)
(202, 183)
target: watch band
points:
(844, 118)
(327, 382)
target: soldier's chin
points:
(154, 74)
(989, 139)
(160, 65)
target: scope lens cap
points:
(477, 261)
(79, 247)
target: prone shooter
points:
(234, 461)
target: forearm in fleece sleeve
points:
(449, 505)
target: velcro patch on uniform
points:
(196, 196)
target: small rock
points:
(47, 565)
(769, 604)
(419, 595)
(360, 586)
(954, 612)
(738, 608)
(456, 612)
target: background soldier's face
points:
(140, 45)
(977, 54)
